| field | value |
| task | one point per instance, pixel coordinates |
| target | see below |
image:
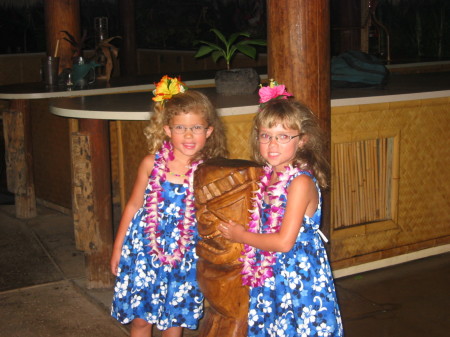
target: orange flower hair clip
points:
(167, 87)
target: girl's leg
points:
(140, 328)
(173, 332)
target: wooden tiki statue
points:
(223, 191)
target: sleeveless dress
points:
(161, 295)
(300, 299)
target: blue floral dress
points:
(161, 295)
(300, 299)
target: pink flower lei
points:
(164, 155)
(255, 273)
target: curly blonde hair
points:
(297, 116)
(191, 101)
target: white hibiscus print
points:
(309, 315)
(286, 301)
(324, 330)
(252, 317)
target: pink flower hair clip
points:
(272, 91)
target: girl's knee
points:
(139, 323)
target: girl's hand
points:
(232, 231)
(115, 259)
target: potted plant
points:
(77, 46)
(232, 81)
(82, 71)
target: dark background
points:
(419, 29)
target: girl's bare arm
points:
(302, 197)
(134, 203)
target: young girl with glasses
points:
(285, 264)
(154, 255)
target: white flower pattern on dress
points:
(160, 294)
(301, 293)
(252, 317)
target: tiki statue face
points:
(223, 191)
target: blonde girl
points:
(285, 263)
(154, 255)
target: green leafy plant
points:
(77, 46)
(229, 47)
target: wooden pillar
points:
(62, 15)
(98, 227)
(127, 55)
(299, 56)
(18, 155)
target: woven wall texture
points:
(423, 209)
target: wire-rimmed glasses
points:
(265, 138)
(181, 129)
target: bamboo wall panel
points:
(422, 216)
(362, 188)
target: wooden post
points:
(61, 15)
(127, 58)
(83, 209)
(299, 56)
(97, 243)
(18, 153)
(98, 233)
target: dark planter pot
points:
(239, 81)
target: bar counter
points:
(127, 106)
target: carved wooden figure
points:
(223, 191)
